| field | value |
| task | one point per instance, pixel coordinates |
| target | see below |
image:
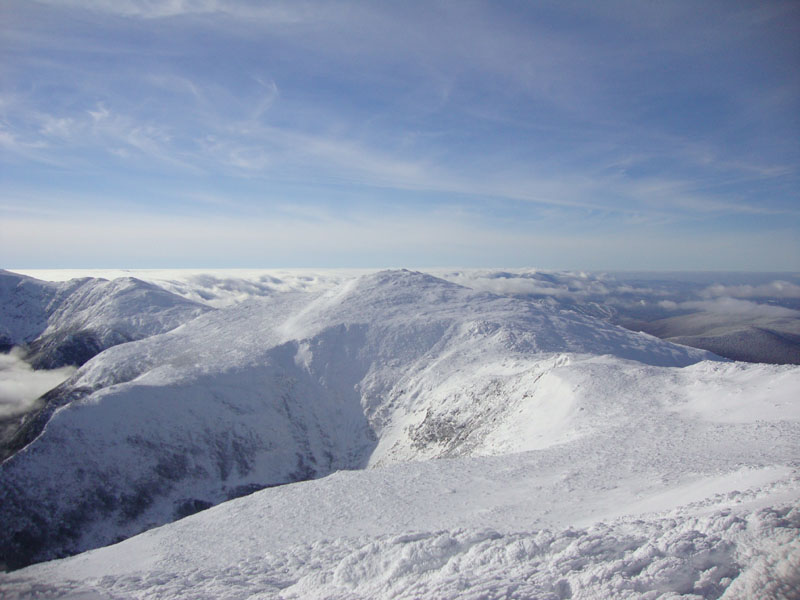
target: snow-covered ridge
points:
(743, 316)
(54, 326)
(66, 323)
(394, 366)
(218, 288)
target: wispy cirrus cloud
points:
(610, 122)
(159, 9)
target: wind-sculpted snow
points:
(392, 367)
(676, 556)
(419, 530)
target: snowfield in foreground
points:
(456, 528)
(675, 556)
(457, 445)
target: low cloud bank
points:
(574, 285)
(743, 308)
(221, 287)
(643, 297)
(775, 289)
(21, 386)
(222, 291)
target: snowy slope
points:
(24, 302)
(55, 325)
(66, 323)
(394, 366)
(677, 482)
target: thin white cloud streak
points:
(743, 308)
(121, 134)
(21, 386)
(275, 12)
(64, 140)
(14, 142)
(563, 285)
(704, 155)
(679, 194)
(775, 289)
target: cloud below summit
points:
(21, 385)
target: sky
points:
(558, 135)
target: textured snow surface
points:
(699, 550)
(66, 323)
(574, 459)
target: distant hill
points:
(67, 323)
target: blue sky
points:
(575, 135)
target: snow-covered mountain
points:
(751, 317)
(582, 459)
(55, 325)
(67, 323)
